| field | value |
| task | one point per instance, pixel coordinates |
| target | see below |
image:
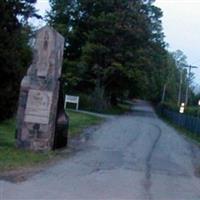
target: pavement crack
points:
(148, 183)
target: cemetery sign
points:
(41, 120)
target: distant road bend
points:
(135, 156)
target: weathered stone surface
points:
(38, 106)
(38, 112)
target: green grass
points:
(10, 156)
(13, 158)
(87, 105)
(79, 121)
(118, 110)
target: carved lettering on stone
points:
(38, 106)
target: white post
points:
(77, 104)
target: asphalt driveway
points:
(136, 156)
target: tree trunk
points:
(164, 92)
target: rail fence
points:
(188, 122)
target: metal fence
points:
(188, 122)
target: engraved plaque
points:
(38, 106)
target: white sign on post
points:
(72, 99)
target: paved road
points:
(135, 156)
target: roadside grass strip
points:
(12, 158)
(80, 121)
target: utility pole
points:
(188, 83)
(180, 88)
(164, 91)
(180, 67)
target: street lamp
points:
(180, 87)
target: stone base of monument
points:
(41, 121)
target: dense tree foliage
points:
(113, 46)
(14, 51)
(113, 49)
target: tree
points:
(116, 46)
(181, 64)
(15, 53)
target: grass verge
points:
(79, 121)
(12, 158)
(121, 108)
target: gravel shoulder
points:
(135, 156)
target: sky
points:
(181, 25)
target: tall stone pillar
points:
(39, 116)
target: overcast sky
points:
(181, 23)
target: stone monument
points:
(41, 121)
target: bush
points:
(85, 101)
(169, 106)
(92, 102)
